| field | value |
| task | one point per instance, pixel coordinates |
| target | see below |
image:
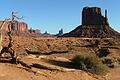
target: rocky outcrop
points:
(93, 16)
(60, 32)
(18, 26)
(94, 24)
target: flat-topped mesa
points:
(93, 16)
(18, 26)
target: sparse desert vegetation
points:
(56, 58)
(90, 63)
(89, 52)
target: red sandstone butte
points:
(94, 24)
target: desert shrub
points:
(100, 69)
(103, 52)
(109, 42)
(108, 61)
(91, 63)
(97, 42)
(118, 59)
(111, 61)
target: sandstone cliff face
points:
(18, 26)
(94, 24)
(93, 16)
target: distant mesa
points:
(94, 24)
(20, 29)
(46, 34)
(18, 26)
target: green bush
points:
(91, 63)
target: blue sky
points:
(52, 15)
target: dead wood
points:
(24, 64)
(40, 66)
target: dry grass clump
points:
(90, 63)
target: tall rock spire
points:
(106, 14)
(106, 18)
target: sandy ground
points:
(10, 71)
(17, 72)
